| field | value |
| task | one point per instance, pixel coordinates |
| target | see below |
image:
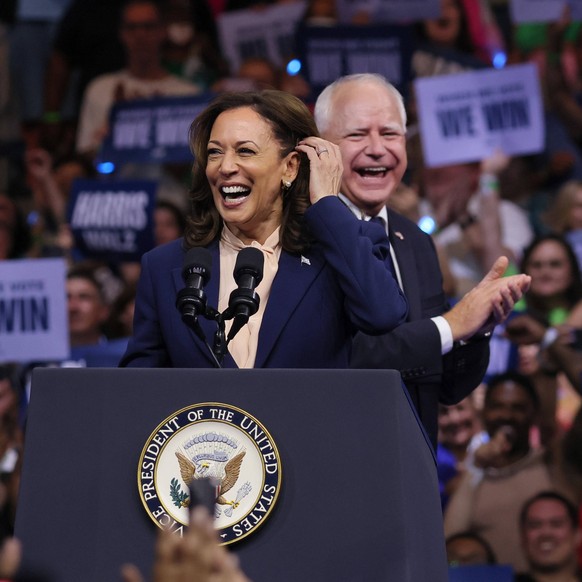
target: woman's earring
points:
(286, 184)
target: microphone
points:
(244, 301)
(191, 301)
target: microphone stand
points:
(220, 347)
(220, 340)
(242, 304)
(190, 303)
(220, 344)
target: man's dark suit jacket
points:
(414, 348)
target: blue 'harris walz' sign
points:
(112, 220)
(151, 130)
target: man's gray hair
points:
(323, 106)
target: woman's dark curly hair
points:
(291, 122)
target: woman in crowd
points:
(552, 302)
(445, 45)
(169, 222)
(556, 285)
(263, 179)
(191, 49)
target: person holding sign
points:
(442, 355)
(263, 179)
(475, 222)
(142, 33)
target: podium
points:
(359, 498)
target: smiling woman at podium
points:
(307, 273)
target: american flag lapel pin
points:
(305, 260)
(399, 234)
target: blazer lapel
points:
(406, 264)
(294, 277)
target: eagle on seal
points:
(228, 481)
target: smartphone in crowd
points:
(204, 491)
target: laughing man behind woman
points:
(365, 116)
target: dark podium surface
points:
(359, 500)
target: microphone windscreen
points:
(249, 260)
(198, 260)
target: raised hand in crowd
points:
(45, 190)
(10, 556)
(476, 225)
(494, 452)
(196, 557)
(486, 241)
(558, 346)
(51, 183)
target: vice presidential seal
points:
(211, 440)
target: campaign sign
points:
(536, 10)
(33, 311)
(112, 220)
(331, 52)
(152, 130)
(43, 10)
(575, 10)
(266, 33)
(389, 10)
(465, 117)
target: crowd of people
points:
(481, 313)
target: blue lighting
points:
(499, 60)
(33, 217)
(427, 224)
(293, 66)
(106, 167)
